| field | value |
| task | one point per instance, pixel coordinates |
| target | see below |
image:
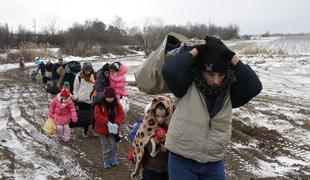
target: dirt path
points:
(24, 110)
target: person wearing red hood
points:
(62, 110)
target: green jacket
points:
(189, 132)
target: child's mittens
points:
(160, 134)
(113, 128)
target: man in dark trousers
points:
(209, 81)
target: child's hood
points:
(122, 70)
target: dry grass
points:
(29, 51)
(84, 50)
(265, 52)
(247, 48)
(255, 50)
(81, 49)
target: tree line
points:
(94, 37)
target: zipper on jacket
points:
(206, 107)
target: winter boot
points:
(106, 164)
(92, 132)
(85, 133)
(114, 160)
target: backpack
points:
(49, 66)
(74, 66)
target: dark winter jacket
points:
(101, 81)
(55, 75)
(157, 163)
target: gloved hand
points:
(201, 49)
(113, 128)
(216, 44)
(160, 134)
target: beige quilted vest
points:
(189, 133)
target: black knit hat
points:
(214, 62)
(105, 67)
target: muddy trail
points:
(34, 155)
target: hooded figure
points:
(117, 79)
(148, 129)
(102, 81)
(62, 110)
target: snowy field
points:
(270, 138)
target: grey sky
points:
(253, 16)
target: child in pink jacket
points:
(62, 110)
(117, 79)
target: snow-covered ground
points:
(23, 144)
(292, 45)
(271, 133)
(282, 106)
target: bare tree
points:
(119, 22)
(52, 25)
(136, 36)
(4, 35)
(153, 34)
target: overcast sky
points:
(252, 16)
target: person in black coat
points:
(102, 81)
(55, 75)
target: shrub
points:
(83, 49)
(29, 51)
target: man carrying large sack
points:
(210, 80)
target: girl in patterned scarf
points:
(149, 150)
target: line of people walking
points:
(89, 100)
(181, 141)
